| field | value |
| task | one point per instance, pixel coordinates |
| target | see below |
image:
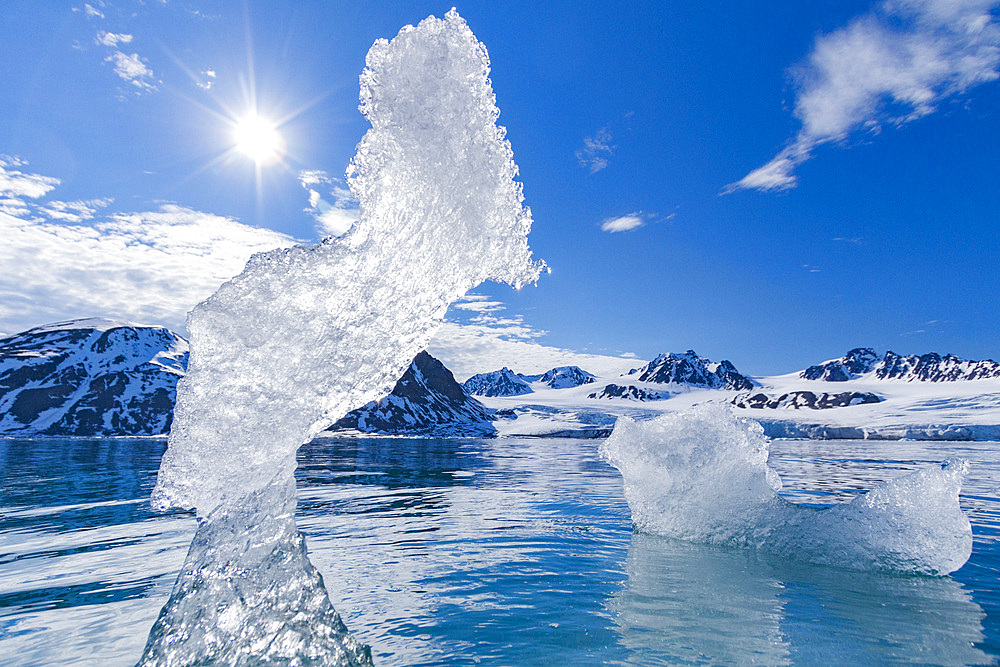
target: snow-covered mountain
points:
(629, 392)
(426, 401)
(90, 377)
(103, 378)
(860, 395)
(930, 367)
(503, 382)
(97, 377)
(691, 370)
(797, 400)
(852, 365)
(564, 377)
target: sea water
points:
(507, 551)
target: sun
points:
(258, 139)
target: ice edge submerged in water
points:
(304, 335)
(702, 475)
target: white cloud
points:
(332, 219)
(890, 66)
(479, 310)
(73, 211)
(91, 11)
(149, 266)
(133, 69)
(113, 39)
(208, 79)
(153, 266)
(623, 223)
(476, 338)
(469, 349)
(482, 305)
(14, 183)
(596, 151)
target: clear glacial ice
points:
(248, 594)
(702, 475)
(304, 335)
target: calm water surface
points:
(504, 552)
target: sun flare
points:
(258, 139)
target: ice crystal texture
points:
(248, 595)
(306, 334)
(702, 475)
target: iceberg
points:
(304, 335)
(702, 475)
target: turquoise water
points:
(505, 552)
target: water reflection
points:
(61, 478)
(689, 603)
(505, 551)
(498, 551)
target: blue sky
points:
(769, 183)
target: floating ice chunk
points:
(304, 335)
(702, 475)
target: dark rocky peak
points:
(933, 367)
(503, 382)
(690, 369)
(854, 364)
(564, 377)
(797, 400)
(90, 377)
(629, 392)
(426, 401)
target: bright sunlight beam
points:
(258, 139)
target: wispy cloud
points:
(74, 211)
(133, 69)
(113, 39)
(92, 12)
(207, 79)
(61, 262)
(481, 311)
(467, 349)
(15, 183)
(478, 335)
(623, 223)
(332, 218)
(478, 303)
(854, 240)
(596, 151)
(890, 66)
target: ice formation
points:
(702, 475)
(306, 334)
(248, 594)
